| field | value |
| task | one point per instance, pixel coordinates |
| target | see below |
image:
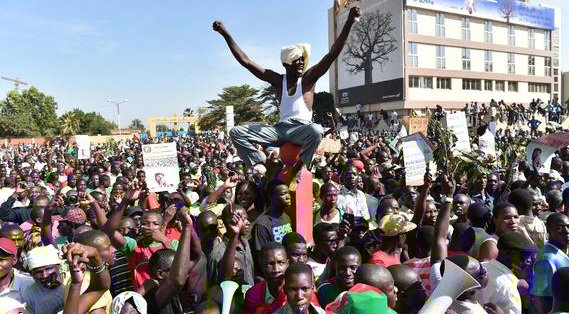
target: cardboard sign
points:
(329, 145)
(456, 123)
(161, 167)
(487, 143)
(417, 153)
(416, 124)
(344, 132)
(83, 146)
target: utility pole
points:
(117, 103)
(17, 82)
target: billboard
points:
(509, 11)
(370, 67)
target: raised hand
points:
(77, 272)
(355, 14)
(76, 253)
(219, 27)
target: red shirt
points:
(383, 259)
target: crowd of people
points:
(86, 236)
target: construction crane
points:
(17, 82)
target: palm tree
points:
(70, 124)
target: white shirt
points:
(502, 288)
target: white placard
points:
(161, 167)
(456, 123)
(83, 146)
(344, 132)
(229, 118)
(487, 143)
(416, 155)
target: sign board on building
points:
(512, 11)
(370, 67)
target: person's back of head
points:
(523, 200)
(479, 215)
(411, 294)
(208, 307)
(424, 242)
(462, 239)
(160, 263)
(374, 275)
(554, 200)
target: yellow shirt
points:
(105, 300)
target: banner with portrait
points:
(161, 167)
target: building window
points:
(511, 63)
(466, 28)
(511, 35)
(488, 85)
(531, 38)
(466, 59)
(488, 35)
(512, 86)
(468, 84)
(441, 60)
(488, 65)
(547, 35)
(444, 83)
(412, 20)
(420, 82)
(440, 25)
(500, 86)
(531, 65)
(539, 88)
(413, 56)
(547, 66)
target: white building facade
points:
(453, 56)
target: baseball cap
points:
(43, 256)
(8, 246)
(75, 215)
(395, 224)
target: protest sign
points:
(416, 124)
(161, 167)
(542, 150)
(344, 132)
(456, 123)
(487, 143)
(83, 146)
(417, 153)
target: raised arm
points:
(319, 69)
(266, 75)
(46, 223)
(114, 221)
(440, 249)
(236, 224)
(422, 200)
(180, 267)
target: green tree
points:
(268, 98)
(90, 123)
(245, 102)
(29, 113)
(136, 124)
(70, 123)
(323, 103)
(188, 112)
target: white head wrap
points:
(120, 300)
(43, 256)
(8, 304)
(293, 52)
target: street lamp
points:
(118, 112)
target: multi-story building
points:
(447, 52)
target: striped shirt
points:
(121, 278)
(423, 267)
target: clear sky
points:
(161, 55)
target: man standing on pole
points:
(295, 92)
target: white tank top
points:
(294, 107)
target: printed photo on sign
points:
(540, 156)
(161, 167)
